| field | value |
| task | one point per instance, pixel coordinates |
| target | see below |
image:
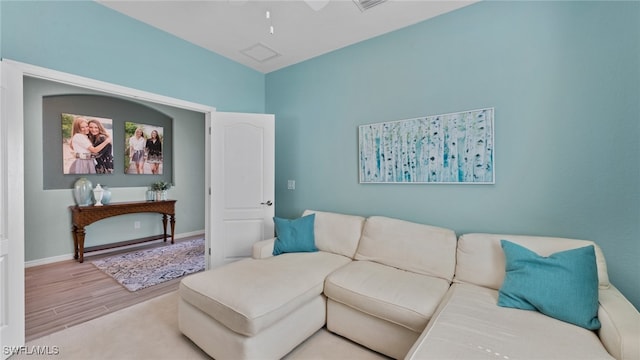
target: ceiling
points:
(240, 31)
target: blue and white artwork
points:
(454, 148)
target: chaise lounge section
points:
(262, 308)
(402, 289)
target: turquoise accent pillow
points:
(294, 235)
(563, 285)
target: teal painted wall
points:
(87, 39)
(564, 78)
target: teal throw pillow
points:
(563, 286)
(294, 235)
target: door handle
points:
(268, 203)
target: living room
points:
(563, 78)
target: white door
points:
(11, 211)
(242, 184)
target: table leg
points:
(173, 227)
(80, 235)
(74, 229)
(164, 226)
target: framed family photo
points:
(86, 144)
(143, 148)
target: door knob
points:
(268, 203)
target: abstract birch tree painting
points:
(454, 148)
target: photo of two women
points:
(143, 153)
(87, 144)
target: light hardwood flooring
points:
(67, 293)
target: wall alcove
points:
(119, 111)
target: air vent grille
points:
(364, 5)
(260, 52)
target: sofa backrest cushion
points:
(337, 233)
(481, 261)
(418, 248)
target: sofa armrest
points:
(263, 249)
(620, 321)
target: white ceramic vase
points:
(97, 194)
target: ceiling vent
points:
(260, 52)
(364, 5)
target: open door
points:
(242, 184)
(11, 211)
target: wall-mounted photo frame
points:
(143, 148)
(455, 148)
(86, 144)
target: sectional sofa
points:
(411, 291)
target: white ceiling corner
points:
(239, 30)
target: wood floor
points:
(67, 293)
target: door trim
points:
(15, 172)
(12, 204)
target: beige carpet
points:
(149, 330)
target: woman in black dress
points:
(104, 158)
(154, 152)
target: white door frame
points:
(12, 210)
(13, 199)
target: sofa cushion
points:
(422, 249)
(563, 285)
(249, 295)
(481, 261)
(469, 325)
(401, 297)
(294, 235)
(337, 233)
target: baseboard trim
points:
(66, 257)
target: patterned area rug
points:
(141, 269)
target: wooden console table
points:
(82, 216)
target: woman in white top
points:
(82, 146)
(136, 150)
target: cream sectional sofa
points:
(403, 289)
